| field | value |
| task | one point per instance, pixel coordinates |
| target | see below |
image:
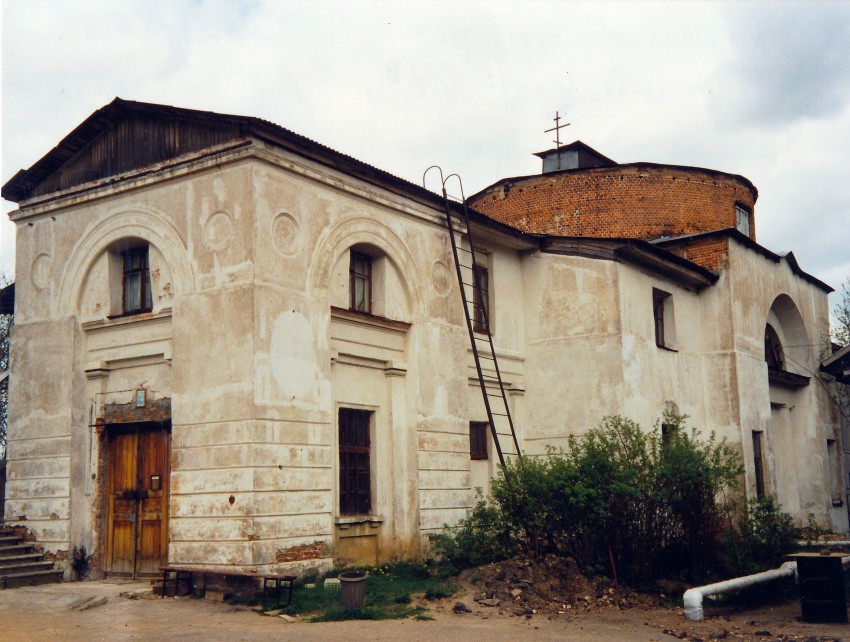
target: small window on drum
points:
(743, 220)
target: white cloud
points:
(758, 89)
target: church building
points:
(237, 348)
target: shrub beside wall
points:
(658, 505)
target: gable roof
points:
(126, 135)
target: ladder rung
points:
(498, 414)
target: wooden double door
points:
(137, 499)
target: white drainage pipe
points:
(693, 597)
(827, 544)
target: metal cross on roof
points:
(557, 129)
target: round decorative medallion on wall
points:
(441, 278)
(41, 271)
(218, 231)
(286, 234)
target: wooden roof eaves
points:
(750, 244)
(18, 188)
(838, 365)
(636, 252)
(23, 182)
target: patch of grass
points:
(389, 591)
(440, 591)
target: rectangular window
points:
(662, 312)
(742, 220)
(478, 435)
(360, 281)
(758, 462)
(355, 479)
(480, 299)
(136, 281)
(833, 466)
(667, 432)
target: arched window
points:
(773, 349)
(130, 277)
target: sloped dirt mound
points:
(548, 586)
(554, 589)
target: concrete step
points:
(9, 539)
(25, 567)
(15, 549)
(11, 560)
(31, 578)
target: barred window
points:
(478, 433)
(355, 479)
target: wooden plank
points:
(121, 521)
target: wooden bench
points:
(278, 584)
(273, 584)
(175, 574)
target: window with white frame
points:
(664, 321)
(743, 220)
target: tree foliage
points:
(841, 335)
(841, 329)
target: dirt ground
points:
(526, 610)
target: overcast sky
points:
(759, 89)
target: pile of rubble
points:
(552, 585)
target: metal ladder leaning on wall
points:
(481, 342)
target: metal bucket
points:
(353, 585)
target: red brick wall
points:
(300, 553)
(628, 201)
(710, 253)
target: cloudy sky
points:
(760, 89)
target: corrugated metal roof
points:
(22, 185)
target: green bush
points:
(652, 502)
(761, 538)
(481, 537)
(657, 503)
